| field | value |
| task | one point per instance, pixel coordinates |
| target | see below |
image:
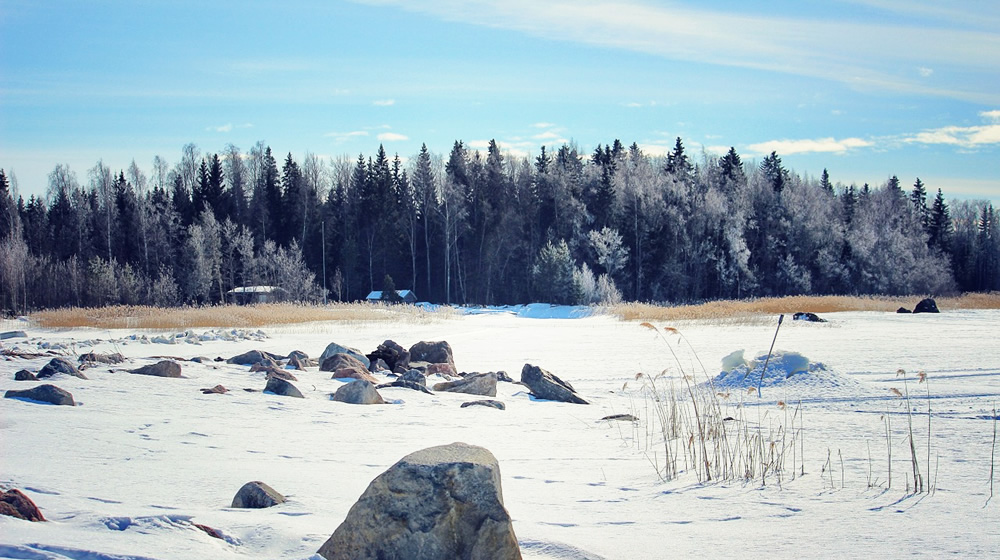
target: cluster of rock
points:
(927, 305)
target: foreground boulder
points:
(439, 503)
(58, 366)
(927, 305)
(163, 368)
(257, 495)
(484, 384)
(43, 393)
(358, 392)
(545, 385)
(432, 352)
(14, 503)
(334, 348)
(279, 386)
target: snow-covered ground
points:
(125, 474)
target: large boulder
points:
(342, 360)
(257, 495)
(808, 317)
(439, 503)
(484, 384)
(58, 366)
(334, 348)
(92, 358)
(43, 393)
(432, 352)
(14, 503)
(358, 392)
(163, 368)
(927, 305)
(395, 356)
(545, 385)
(279, 386)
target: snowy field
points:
(127, 473)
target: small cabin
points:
(256, 294)
(405, 296)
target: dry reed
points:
(754, 309)
(238, 316)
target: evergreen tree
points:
(774, 173)
(824, 182)
(939, 225)
(8, 209)
(731, 170)
(918, 198)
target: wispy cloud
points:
(392, 137)
(384, 102)
(812, 46)
(341, 137)
(809, 146)
(543, 125)
(228, 127)
(968, 137)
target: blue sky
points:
(864, 88)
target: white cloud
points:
(228, 127)
(341, 137)
(962, 136)
(809, 146)
(925, 72)
(993, 115)
(391, 137)
(549, 135)
(384, 102)
(543, 125)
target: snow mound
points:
(789, 371)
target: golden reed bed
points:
(262, 315)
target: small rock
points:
(60, 366)
(217, 390)
(14, 503)
(163, 368)
(214, 533)
(406, 385)
(808, 317)
(94, 358)
(24, 375)
(503, 376)
(279, 386)
(486, 402)
(354, 373)
(414, 376)
(43, 393)
(902, 310)
(257, 495)
(445, 370)
(621, 418)
(484, 384)
(358, 392)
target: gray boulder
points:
(358, 392)
(252, 357)
(58, 366)
(414, 376)
(334, 348)
(486, 402)
(406, 385)
(164, 368)
(91, 358)
(43, 393)
(395, 356)
(342, 360)
(279, 386)
(444, 502)
(484, 384)
(24, 375)
(545, 385)
(257, 495)
(432, 352)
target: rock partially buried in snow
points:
(490, 403)
(927, 305)
(432, 352)
(334, 348)
(24, 375)
(14, 503)
(342, 360)
(279, 386)
(92, 358)
(358, 392)
(58, 366)
(43, 393)
(484, 384)
(442, 503)
(257, 495)
(545, 385)
(163, 368)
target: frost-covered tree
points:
(553, 273)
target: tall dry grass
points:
(230, 316)
(749, 310)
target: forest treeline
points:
(482, 227)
